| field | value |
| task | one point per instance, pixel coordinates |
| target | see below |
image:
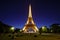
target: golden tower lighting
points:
(30, 23)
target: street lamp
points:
(44, 29)
(12, 28)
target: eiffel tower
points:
(30, 26)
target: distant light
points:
(51, 30)
(12, 28)
(20, 30)
(43, 27)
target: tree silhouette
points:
(44, 29)
(17, 30)
(4, 28)
(55, 28)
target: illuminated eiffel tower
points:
(30, 26)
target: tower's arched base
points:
(30, 28)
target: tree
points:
(48, 30)
(55, 28)
(44, 29)
(17, 30)
(4, 28)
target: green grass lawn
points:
(28, 37)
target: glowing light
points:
(51, 30)
(43, 27)
(12, 28)
(20, 30)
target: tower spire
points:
(30, 13)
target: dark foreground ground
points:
(43, 36)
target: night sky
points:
(15, 12)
